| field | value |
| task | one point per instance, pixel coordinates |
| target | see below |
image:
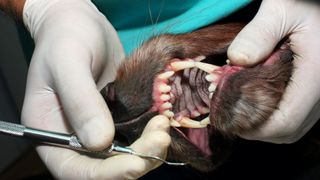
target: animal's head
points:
(178, 76)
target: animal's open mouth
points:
(206, 104)
(184, 93)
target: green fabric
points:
(138, 20)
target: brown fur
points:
(251, 96)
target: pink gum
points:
(156, 93)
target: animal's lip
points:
(132, 121)
(133, 128)
(201, 135)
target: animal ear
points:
(108, 93)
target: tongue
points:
(200, 138)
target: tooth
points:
(212, 87)
(199, 58)
(210, 95)
(189, 123)
(209, 68)
(204, 110)
(164, 88)
(168, 113)
(179, 65)
(166, 75)
(174, 123)
(166, 105)
(172, 97)
(228, 61)
(211, 77)
(205, 121)
(195, 114)
(164, 97)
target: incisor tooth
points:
(210, 95)
(174, 123)
(164, 88)
(168, 113)
(189, 123)
(164, 97)
(166, 105)
(212, 87)
(205, 121)
(166, 75)
(209, 68)
(179, 65)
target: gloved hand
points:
(77, 52)
(299, 20)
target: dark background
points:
(250, 160)
(13, 72)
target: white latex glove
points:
(300, 21)
(77, 52)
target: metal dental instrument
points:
(70, 141)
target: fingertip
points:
(239, 58)
(161, 139)
(160, 121)
(157, 123)
(154, 142)
(86, 111)
(96, 134)
(245, 52)
(257, 39)
(161, 118)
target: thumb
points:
(258, 39)
(84, 107)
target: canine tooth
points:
(189, 123)
(174, 123)
(199, 58)
(166, 75)
(164, 88)
(179, 65)
(205, 121)
(210, 95)
(211, 77)
(209, 68)
(212, 87)
(164, 97)
(166, 105)
(168, 113)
